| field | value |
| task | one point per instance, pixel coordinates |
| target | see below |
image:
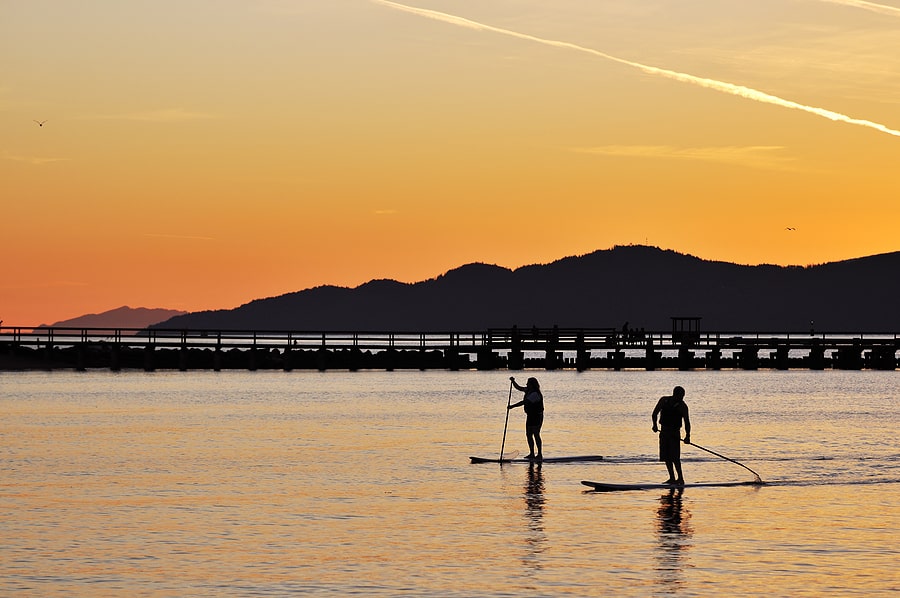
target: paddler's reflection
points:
(534, 491)
(674, 533)
(534, 513)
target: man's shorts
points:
(670, 445)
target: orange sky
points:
(198, 155)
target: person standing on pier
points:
(672, 410)
(533, 403)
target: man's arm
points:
(687, 426)
(656, 411)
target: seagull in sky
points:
(789, 228)
(40, 122)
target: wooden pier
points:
(508, 348)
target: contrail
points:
(879, 8)
(729, 88)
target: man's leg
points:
(680, 478)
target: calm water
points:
(273, 484)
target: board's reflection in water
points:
(674, 531)
(536, 538)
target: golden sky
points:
(200, 154)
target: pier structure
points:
(495, 348)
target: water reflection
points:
(674, 533)
(536, 538)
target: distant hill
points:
(122, 317)
(644, 286)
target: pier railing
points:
(495, 348)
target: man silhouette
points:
(672, 410)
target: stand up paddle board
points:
(605, 487)
(573, 459)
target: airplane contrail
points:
(872, 6)
(729, 88)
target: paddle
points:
(506, 423)
(758, 479)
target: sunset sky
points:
(200, 154)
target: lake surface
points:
(338, 483)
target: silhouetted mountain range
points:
(121, 317)
(644, 286)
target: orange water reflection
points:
(359, 483)
(674, 533)
(536, 537)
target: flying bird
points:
(40, 122)
(789, 228)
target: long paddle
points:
(758, 479)
(506, 423)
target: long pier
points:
(496, 348)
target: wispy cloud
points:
(883, 9)
(50, 284)
(385, 212)
(182, 237)
(764, 157)
(169, 115)
(33, 160)
(4, 105)
(716, 85)
(282, 7)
